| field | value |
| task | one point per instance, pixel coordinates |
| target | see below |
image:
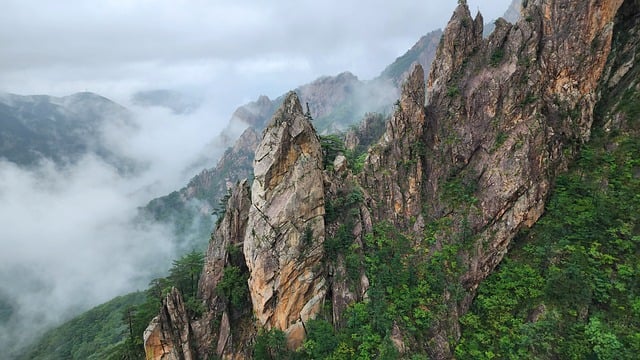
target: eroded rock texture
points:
(169, 336)
(394, 169)
(479, 148)
(283, 241)
(502, 122)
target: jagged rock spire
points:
(285, 232)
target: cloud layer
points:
(231, 51)
(70, 237)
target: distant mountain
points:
(189, 210)
(175, 101)
(60, 129)
(423, 53)
(511, 15)
(336, 103)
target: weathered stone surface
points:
(173, 335)
(462, 36)
(224, 340)
(502, 118)
(285, 232)
(394, 167)
(155, 345)
(622, 72)
(229, 233)
(169, 337)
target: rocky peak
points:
(461, 38)
(285, 231)
(502, 121)
(394, 168)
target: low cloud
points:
(69, 242)
(71, 238)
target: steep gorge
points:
(464, 164)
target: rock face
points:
(274, 231)
(504, 116)
(228, 234)
(478, 148)
(283, 241)
(225, 250)
(394, 168)
(169, 336)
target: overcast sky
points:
(228, 50)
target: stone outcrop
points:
(229, 234)
(461, 38)
(283, 241)
(169, 335)
(272, 230)
(394, 167)
(225, 250)
(479, 148)
(504, 117)
(622, 73)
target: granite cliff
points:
(466, 161)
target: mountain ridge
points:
(473, 168)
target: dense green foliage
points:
(332, 146)
(405, 291)
(183, 275)
(570, 289)
(114, 330)
(92, 335)
(233, 287)
(271, 345)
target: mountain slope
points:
(92, 335)
(423, 52)
(62, 130)
(574, 274)
(190, 209)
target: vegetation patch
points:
(569, 289)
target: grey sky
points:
(228, 50)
